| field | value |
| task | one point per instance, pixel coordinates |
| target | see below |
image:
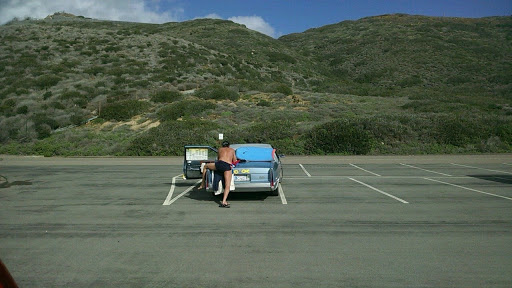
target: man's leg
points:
(210, 166)
(227, 181)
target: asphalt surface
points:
(408, 221)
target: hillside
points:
(394, 55)
(70, 85)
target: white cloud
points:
(212, 16)
(255, 23)
(145, 11)
(123, 10)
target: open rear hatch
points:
(194, 156)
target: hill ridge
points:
(399, 71)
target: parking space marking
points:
(470, 189)
(370, 176)
(304, 169)
(380, 191)
(364, 169)
(425, 170)
(171, 190)
(281, 194)
(481, 168)
(169, 200)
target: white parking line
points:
(281, 194)
(304, 169)
(470, 189)
(364, 170)
(480, 168)
(425, 170)
(171, 190)
(370, 176)
(382, 192)
(169, 200)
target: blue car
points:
(259, 169)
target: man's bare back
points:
(227, 155)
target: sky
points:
(271, 17)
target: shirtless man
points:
(226, 156)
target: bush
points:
(279, 88)
(170, 137)
(47, 95)
(339, 137)
(123, 110)
(465, 130)
(185, 108)
(46, 81)
(217, 92)
(95, 70)
(264, 103)
(70, 95)
(22, 110)
(77, 119)
(165, 96)
(44, 125)
(43, 131)
(280, 57)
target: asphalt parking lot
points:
(408, 221)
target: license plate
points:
(242, 178)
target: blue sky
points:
(272, 17)
(290, 16)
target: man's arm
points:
(234, 157)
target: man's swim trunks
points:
(222, 166)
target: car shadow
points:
(202, 195)
(505, 179)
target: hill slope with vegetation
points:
(391, 84)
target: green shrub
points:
(486, 133)
(70, 95)
(280, 57)
(47, 95)
(339, 137)
(43, 131)
(44, 125)
(77, 119)
(22, 110)
(264, 103)
(460, 130)
(57, 105)
(139, 83)
(46, 81)
(185, 108)
(112, 48)
(165, 96)
(217, 92)
(279, 88)
(123, 110)
(94, 70)
(41, 118)
(170, 137)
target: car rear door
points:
(193, 157)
